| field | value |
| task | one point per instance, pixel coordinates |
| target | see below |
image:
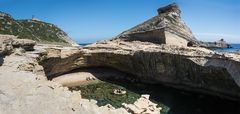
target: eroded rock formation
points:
(25, 89)
(165, 28)
(175, 65)
(195, 69)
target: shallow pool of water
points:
(173, 101)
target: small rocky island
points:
(34, 77)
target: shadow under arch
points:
(178, 101)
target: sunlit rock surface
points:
(195, 69)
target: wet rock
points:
(142, 106)
(119, 92)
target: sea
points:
(235, 48)
(84, 44)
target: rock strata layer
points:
(195, 69)
(167, 28)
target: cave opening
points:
(173, 101)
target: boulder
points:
(8, 44)
(142, 106)
(26, 44)
(170, 8)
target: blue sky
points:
(91, 20)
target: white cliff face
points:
(161, 29)
(24, 87)
(194, 68)
(167, 28)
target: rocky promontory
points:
(34, 29)
(215, 45)
(167, 28)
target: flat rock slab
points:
(75, 79)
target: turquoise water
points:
(235, 48)
(84, 44)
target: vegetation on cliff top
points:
(31, 29)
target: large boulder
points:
(8, 44)
(142, 106)
(26, 44)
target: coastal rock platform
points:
(190, 68)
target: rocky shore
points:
(24, 87)
(195, 69)
(34, 77)
(201, 70)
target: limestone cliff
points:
(165, 28)
(195, 69)
(33, 29)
